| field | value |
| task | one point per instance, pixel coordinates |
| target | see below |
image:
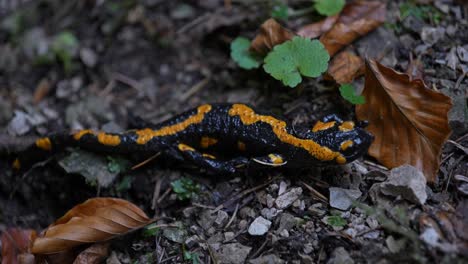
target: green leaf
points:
(336, 220)
(242, 56)
(279, 10)
(329, 7)
(151, 230)
(287, 61)
(349, 94)
(65, 47)
(117, 164)
(185, 188)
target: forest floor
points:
(154, 59)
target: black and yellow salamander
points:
(221, 138)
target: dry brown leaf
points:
(345, 67)
(95, 220)
(16, 244)
(357, 19)
(271, 34)
(316, 29)
(408, 120)
(94, 254)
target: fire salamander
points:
(222, 138)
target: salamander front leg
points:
(272, 160)
(210, 162)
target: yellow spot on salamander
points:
(248, 117)
(347, 126)
(208, 156)
(319, 126)
(145, 135)
(184, 147)
(16, 164)
(340, 160)
(241, 146)
(44, 143)
(206, 142)
(346, 144)
(275, 159)
(108, 139)
(79, 134)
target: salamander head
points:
(348, 138)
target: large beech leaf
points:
(408, 120)
(96, 220)
(357, 19)
(16, 244)
(271, 34)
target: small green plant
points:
(151, 230)
(349, 94)
(279, 10)
(241, 54)
(117, 164)
(124, 184)
(64, 46)
(329, 7)
(287, 61)
(336, 221)
(185, 188)
(190, 256)
(423, 12)
(296, 57)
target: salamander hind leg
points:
(272, 160)
(210, 162)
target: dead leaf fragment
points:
(271, 34)
(16, 243)
(408, 120)
(415, 69)
(345, 67)
(357, 19)
(95, 220)
(316, 29)
(94, 254)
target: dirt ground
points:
(153, 59)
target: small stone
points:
(228, 236)
(462, 54)
(343, 198)
(317, 209)
(19, 125)
(284, 233)
(306, 259)
(270, 213)
(430, 236)
(259, 226)
(286, 199)
(282, 188)
(372, 222)
(243, 224)
(191, 241)
(408, 182)
(393, 245)
(351, 232)
(308, 248)
(234, 253)
(267, 259)
(340, 256)
(88, 57)
(451, 30)
(207, 219)
(270, 201)
(372, 234)
(451, 58)
(221, 218)
(431, 35)
(287, 222)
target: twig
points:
(145, 161)
(259, 250)
(192, 23)
(157, 191)
(375, 165)
(204, 206)
(232, 217)
(315, 192)
(164, 195)
(195, 89)
(127, 80)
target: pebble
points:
(340, 256)
(408, 182)
(259, 226)
(343, 198)
(270, 213)
(286, 199)
(233, 253)
(431, 35)
(88, 57)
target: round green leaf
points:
(329, 7)
(296, 57)
(242, 56)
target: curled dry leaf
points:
(409, 121)
(95, 220)
(16, 244)
(415, 69)
(316, 29)
(344, 67)
(271, 34)
(94, 254)
(357, 19)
